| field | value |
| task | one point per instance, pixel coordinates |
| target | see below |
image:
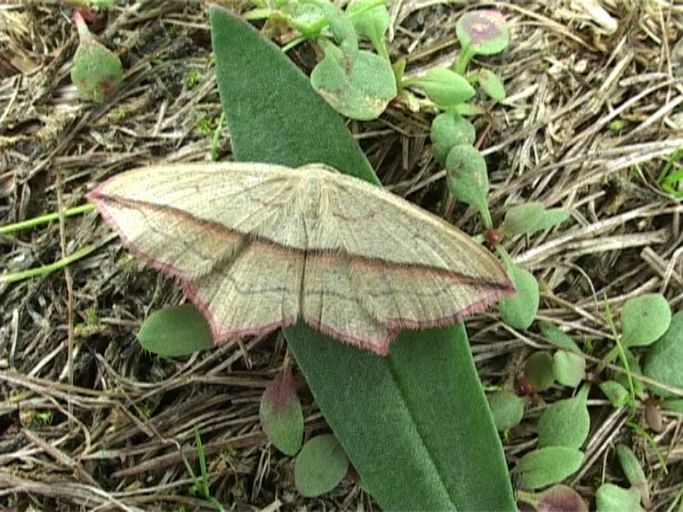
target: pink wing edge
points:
(98, 197)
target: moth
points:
(258, 246)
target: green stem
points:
(486, 216)
(463, 60)
(46, 269)
(621, 351)
(44, 219)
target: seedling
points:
(671, 176)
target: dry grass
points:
(112, 429)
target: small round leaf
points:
(538, 370)
(558, 337)
(305, 17)
(617, 394)
(663, 362)
(565, 423)
(530, 217)
(450, 129)
(612, 498)
(97, 72)
(520, 310)
(466, 176)
(522, 218)
(492, 85)
(635, 475)
(320, 466)
(569, 369)
(370, 21)
(483, 32)
(358, 84)
(644, 319)
(175, 331)
(547, 466)
(507, 409)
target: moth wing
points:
(369, 222)
(331, 303)
(378, 264)
(198, 223)
(254, 293)
(367, 303)
(186, 218)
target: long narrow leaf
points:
(415, 425)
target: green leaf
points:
(552, 217)
(468, 110)
(444, 87)
(558, 337)
(612, 498)
(520, 310)
(568, 369)
(304, 17)
(507, 409)
(280, 414)
(375, 406)
(411, 391)
(358, 84)
(175, 331)
(644, 319)
(633, 471)
(566, 422)
(301, 130)
(522, 218)
(538, 369)
(664, 362)
(466, 176)
(483, 32)
(492, 85)
(340, 24)
(371, 22)
(674, 405)
(617, 394)
(530, 217)
(320, 466)
(97, 72)
(548, 465)
(448, 130)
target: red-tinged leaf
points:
(561, 498)
(97, 72)
(538, 370)
(484, 32)
(280, 414)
